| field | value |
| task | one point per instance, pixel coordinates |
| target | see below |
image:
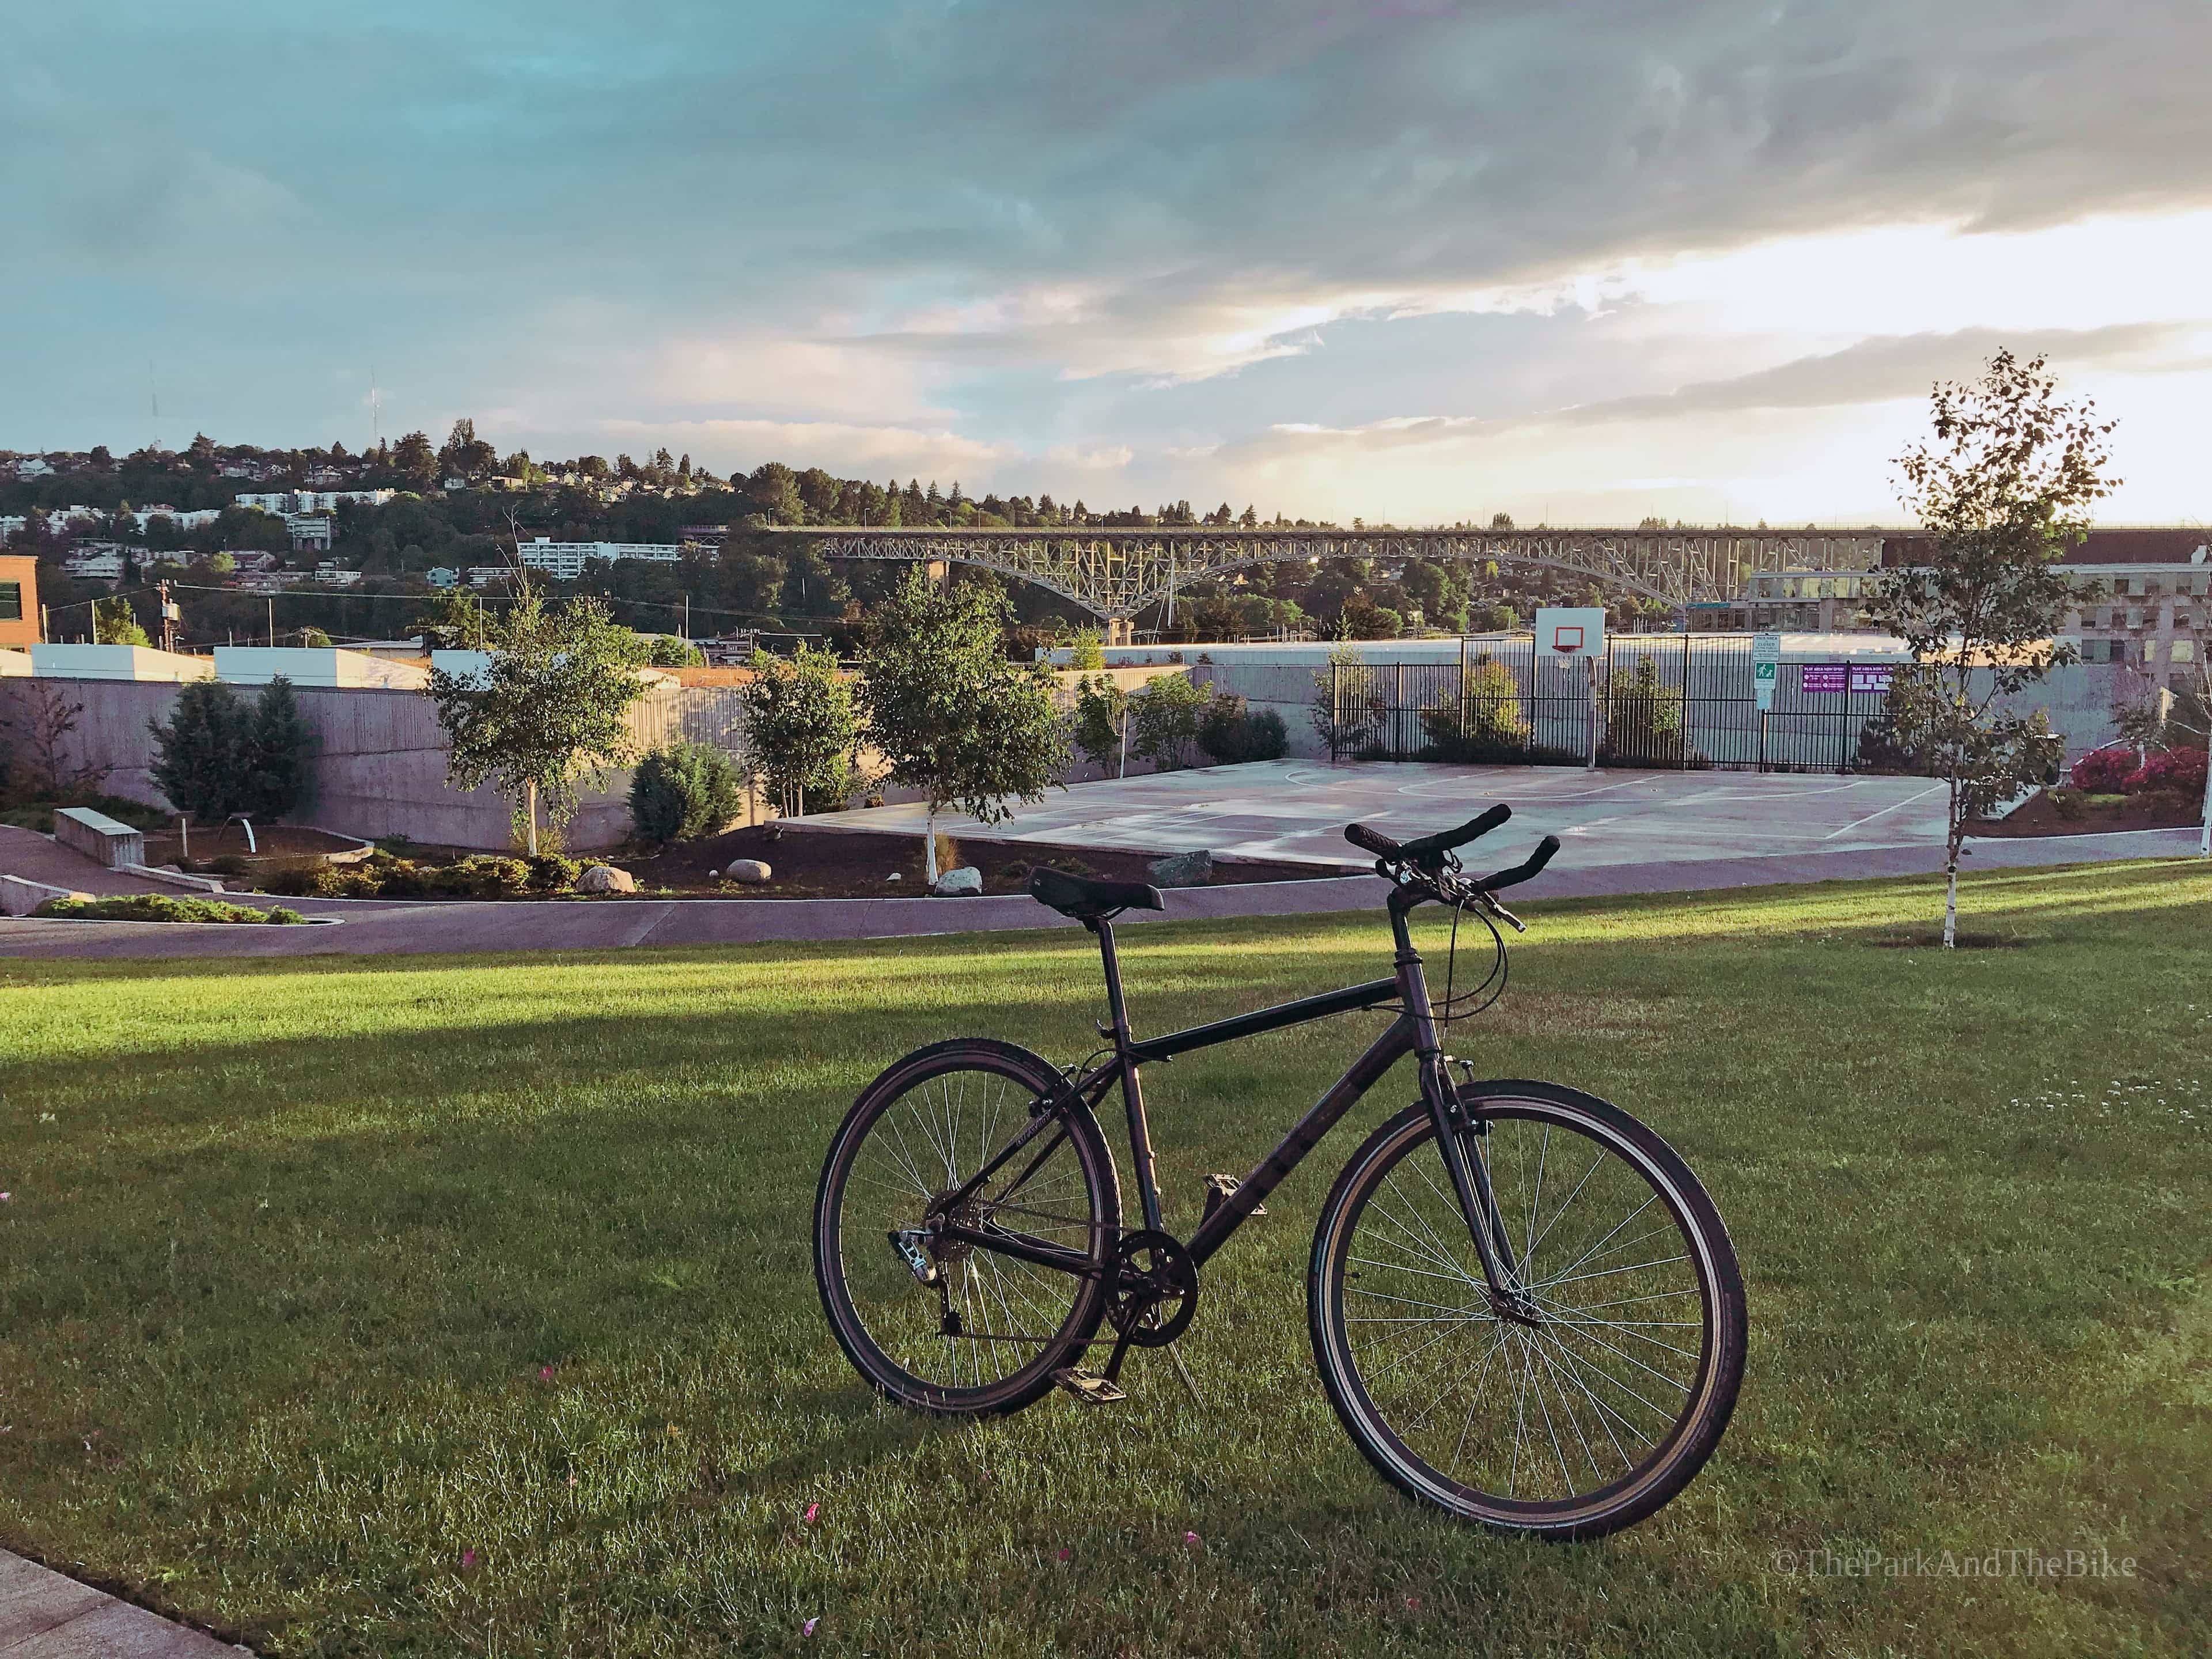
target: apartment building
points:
(285, 503)
(564, 561)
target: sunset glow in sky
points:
(1402, 260)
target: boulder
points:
(1183, 870)
(605, 879)
(957, 883)
(751, 872)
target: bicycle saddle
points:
(1085, 900)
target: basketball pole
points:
(1590, 663)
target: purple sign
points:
(1830, 679)
(1870, 676)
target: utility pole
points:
(168, 618)
(272, 621)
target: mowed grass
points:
(291, 1249)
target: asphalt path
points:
(398, 927)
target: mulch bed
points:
(858, 863)
(275, 840)
(2039, 818)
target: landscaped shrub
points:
(382, 876)
(1163, 717)
(683, 792)
(2103, 771)
(549, 872)
(1231, 733)
(2177, 771)
(1484, 724)
(154, 907)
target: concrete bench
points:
(99, 837)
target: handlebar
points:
(1428, 857)
(1429, 850)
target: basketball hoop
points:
(1566, 641)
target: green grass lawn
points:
(464, 1304)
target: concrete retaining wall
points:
(380, 766)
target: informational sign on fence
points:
(1766, 666)
(1870, 676)
(1824, 679)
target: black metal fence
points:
(1688, 701)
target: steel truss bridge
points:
(1116, 574)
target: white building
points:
(565, 560)
(331, 575)
(97, 561)
(116, 662)
(283, 503)
(193, 521)
(257, 665)
(308, 530)
(12, 525)
(441, 576)
(33, 468)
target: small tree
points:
(1164, 717)
(42, 730)
(802, 724)
(454, 620)
(2004, 493)
(1347, 707)
(548, 712)
(278, 754)
(1101, 708)
(202, 754)
(113, 624)
(668, 650)
(1084, 651)
(950, 714)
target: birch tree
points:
(2003, 491)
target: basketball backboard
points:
(1570, 631)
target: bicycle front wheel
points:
(949, 1325)
(1595, 1403)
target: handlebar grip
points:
(1528, 870)
(1372, 841)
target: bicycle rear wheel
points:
(973, 1330)
(1575, 1420)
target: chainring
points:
(1154, 1295)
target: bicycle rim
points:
(1590, 1415)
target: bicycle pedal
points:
(1218, 1190)
(1087, 1386)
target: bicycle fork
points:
(1458, 1142)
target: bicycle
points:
(1559, 1366)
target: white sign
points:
(1570, 631)
(1766, 667)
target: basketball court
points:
(1297, 810)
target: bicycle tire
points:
(1573, 1343)
(882, 1323)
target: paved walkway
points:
(380, 927)
(34, 857)
(44, 1616)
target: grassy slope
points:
(289, 1245)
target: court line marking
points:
(1920, 795)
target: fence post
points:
(1335, 706)
(1398, 714)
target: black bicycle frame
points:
(1413, 1032)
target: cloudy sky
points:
(1397, 258)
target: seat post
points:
(1133, 1091)
(1116, 1010)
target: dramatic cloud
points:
(1012, 234)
